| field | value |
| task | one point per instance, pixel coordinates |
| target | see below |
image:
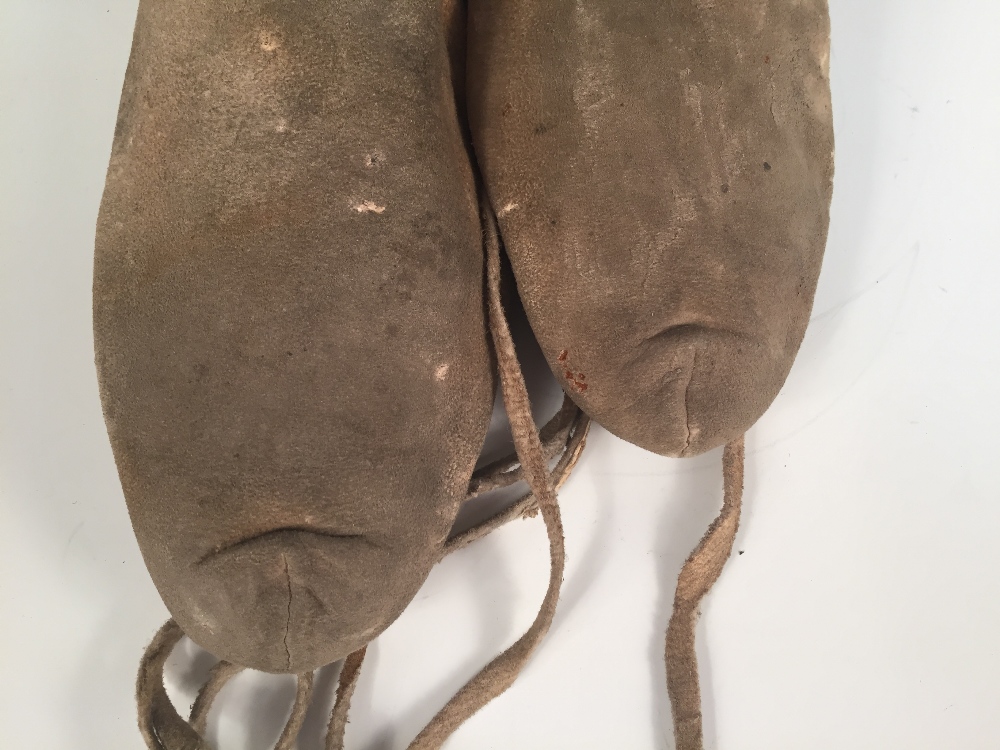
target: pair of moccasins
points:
(297, 310)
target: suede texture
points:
(662, 174)
(289, 316)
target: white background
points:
(865, 610)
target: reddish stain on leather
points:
(577, 380)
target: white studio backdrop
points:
(863, 610)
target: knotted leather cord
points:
(507, 471)
(527, 505)
(163, 728)
(699, 573)
(499, 674)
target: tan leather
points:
(289, 317)
(661, 172)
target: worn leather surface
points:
(289, 317)
(662, 176)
